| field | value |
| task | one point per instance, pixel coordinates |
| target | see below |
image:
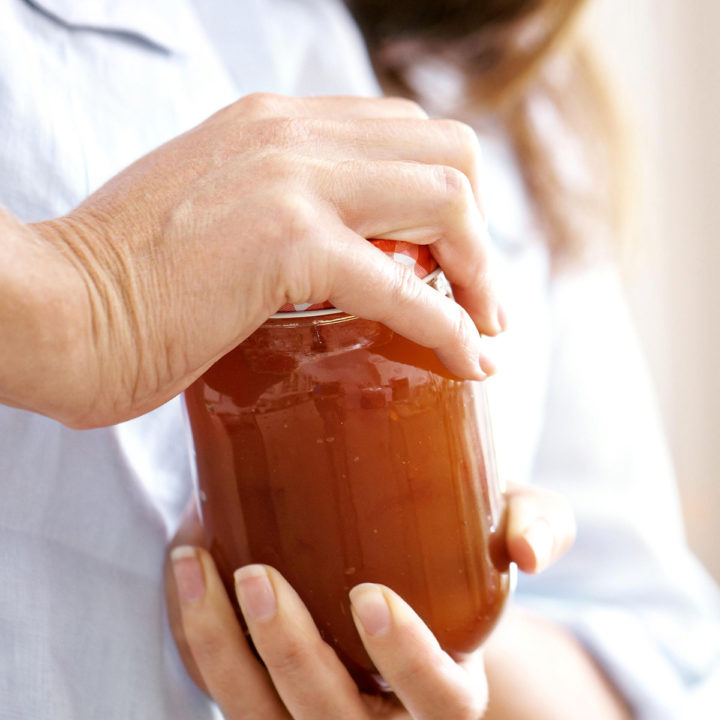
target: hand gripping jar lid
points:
(417, 257)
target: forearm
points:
(539, 671)
(40, 321)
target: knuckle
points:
(455, 190)
(405, 287)
(260, 104)
(464, 330)
(412, 673)
(289, 657)
(277, 167)
(207, 641)
(467, 138)
(292, 228)
(281, 132)
(453, 183)
(297, 216)
(287, 177)
(408, 108)
(476, 276)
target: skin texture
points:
(181, 256)
(303, 678)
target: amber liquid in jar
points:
(340, 452)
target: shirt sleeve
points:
(629, 589)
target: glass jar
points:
(339, 452)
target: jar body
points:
(339, 452)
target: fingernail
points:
(371, 609)
(188, 572)
(540, 538)
(255, 593)
(487, 364)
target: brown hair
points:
(523, 68)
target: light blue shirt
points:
(88, 87)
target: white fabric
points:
(86, 88)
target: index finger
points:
(365, 282)
(306, 672)
(428, 682)
(269, 105)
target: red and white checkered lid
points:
(417, 257)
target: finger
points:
(424, 204)
(540, 528)
(230, 672)
(365, 282)
(365, 136)
(426, 679)
(307, 673)
(409, 139)
(268, 105)
(189, 532)
(351, 107)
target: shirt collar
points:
(158, 22)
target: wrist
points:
(43, 322)
(113, 266)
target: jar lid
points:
(417, 257)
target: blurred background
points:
(665, 61)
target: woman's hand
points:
(303, 677)
(181, 256)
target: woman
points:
(112, 307)
(601, 634)
(115, 294)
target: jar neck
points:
(304, 336)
